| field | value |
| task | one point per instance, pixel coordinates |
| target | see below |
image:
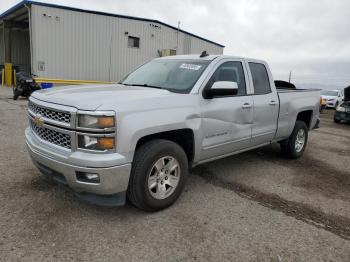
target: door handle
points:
(273, 103)
(246, 106)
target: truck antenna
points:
(290, 76)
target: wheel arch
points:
(306, 117)
(183, 137)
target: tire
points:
(336, 120)
(289, 146)
(16, 93)
(144, 174)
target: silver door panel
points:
(226, 125)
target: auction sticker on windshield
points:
(190, 66)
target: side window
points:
(232, 72)
(260, 79)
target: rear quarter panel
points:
(292, 102)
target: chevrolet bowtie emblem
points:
(38, 121)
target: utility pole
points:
(290, 75)
(177, 40)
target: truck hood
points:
(102, 97)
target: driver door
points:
(227, 120)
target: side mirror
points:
(221, 88)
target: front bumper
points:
(342, 116)
(331, 104)
(63, 167)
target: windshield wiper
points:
(144, 85)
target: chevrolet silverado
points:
(137, 139)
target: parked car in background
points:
(342, 112)
(333, 97)
(138, 138)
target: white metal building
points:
(61, 42)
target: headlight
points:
(96, 122)
(340, 109)
(96, 143)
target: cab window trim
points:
(213, 71)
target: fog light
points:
(94, 177)
(88, 177)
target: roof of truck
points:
(197, 56)
(211, 58)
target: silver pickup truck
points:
(138, 138)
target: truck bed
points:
(287, 90)
(293, 101)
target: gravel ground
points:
(255, 206)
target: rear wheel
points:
(294, 146)
(158, 175)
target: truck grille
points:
(49, 113)
(51, 136)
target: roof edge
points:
(13, 9)
(28, 2)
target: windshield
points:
(329, 93)
(174, 75)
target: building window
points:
(172, 52)
(133, 41)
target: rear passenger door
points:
(266, 104)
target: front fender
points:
(134, 126)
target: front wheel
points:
(158, 175)
(295, 145)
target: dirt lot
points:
(256, 206)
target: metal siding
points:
(20, 49)
(197, 46)
(74, 47)
(187, 44)
(94, 47)
(2, 47)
